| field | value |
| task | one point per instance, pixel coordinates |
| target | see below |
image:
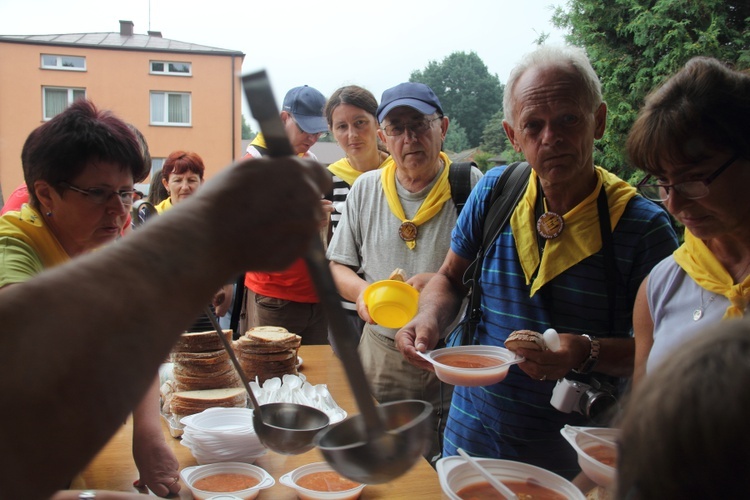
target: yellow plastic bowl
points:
(391, 303)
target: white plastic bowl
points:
(454, 474)
(192, 474)
(601, 474)
(290, 479)
(468, 377)
(222, 435)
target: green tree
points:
(494, 139)
(635, 44)
(467, 91)
(247, 132)
(455, 139)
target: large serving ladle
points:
(382, 442)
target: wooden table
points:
(113, 468)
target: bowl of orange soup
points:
(459, 481)
(471, 365)
(229, 478)
(597, 460)
(318, 481)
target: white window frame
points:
(168, 70)
(156, 165)
(71, 96)
(59, 62)
(164, 112)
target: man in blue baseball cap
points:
(399, 217)
(288, 298)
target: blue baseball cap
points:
(414, 95)
(306, 106)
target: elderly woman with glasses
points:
(691, 139)
(79, 169)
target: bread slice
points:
(525, 339)
(398, 274)
(190, 402)
(201, 341)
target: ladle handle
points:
(345, 342)
(230, 352)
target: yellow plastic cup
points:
(391, 303)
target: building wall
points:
(119, 80)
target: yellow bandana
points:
(439, 194)
(701, 264)
(581, 237)
(344, 170)
(29, 227)
(259, 141)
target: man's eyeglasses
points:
(100, 196)
(692, 190)
(416, 128)
(319, 135)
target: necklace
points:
(698, 313)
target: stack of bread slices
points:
(267, 351)
(204, 376)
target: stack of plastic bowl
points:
(222, 435)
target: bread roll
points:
(525, 339)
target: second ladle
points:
(286, 428)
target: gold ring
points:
(174, 482)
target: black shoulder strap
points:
(459, 177)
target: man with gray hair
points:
(571, 257)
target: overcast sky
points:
(327, 44)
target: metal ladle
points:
(286, 428)
(384, 442)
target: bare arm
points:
(82, 342)
(439, 303)
(643, 328)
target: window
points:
(69, 63)
(170, 108)
(171, 68)
(156, 165)
(56, 99)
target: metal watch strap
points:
(590, 362)
(87, 495)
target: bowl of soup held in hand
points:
(318, 481)
(597, 460)
(471, 365)
(460, 481)
(226, 478)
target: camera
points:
(593, 401)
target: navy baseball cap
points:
(306, 106)
(414, 95)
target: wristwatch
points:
(590, 362)
(87, 495)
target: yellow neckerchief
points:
(439, 194)
(700, 263)
(29, 227)
(259, 141)
(164, 205)
(344, 170)
(581, 236)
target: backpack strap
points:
(459, 177)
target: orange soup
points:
(468, 361)
(225, 482)
(523, 489)
(326, 481)
(602, 453)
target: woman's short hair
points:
(684, 432)
(353, 95)
(702, 109)
(60, 149)
(180, 162)
(561, 56)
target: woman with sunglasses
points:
(79, 169)
(691, 139)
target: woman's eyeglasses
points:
(100, 196)
(692, 190)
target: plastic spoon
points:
(551, 339)
(500, 487)
(591, 435)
